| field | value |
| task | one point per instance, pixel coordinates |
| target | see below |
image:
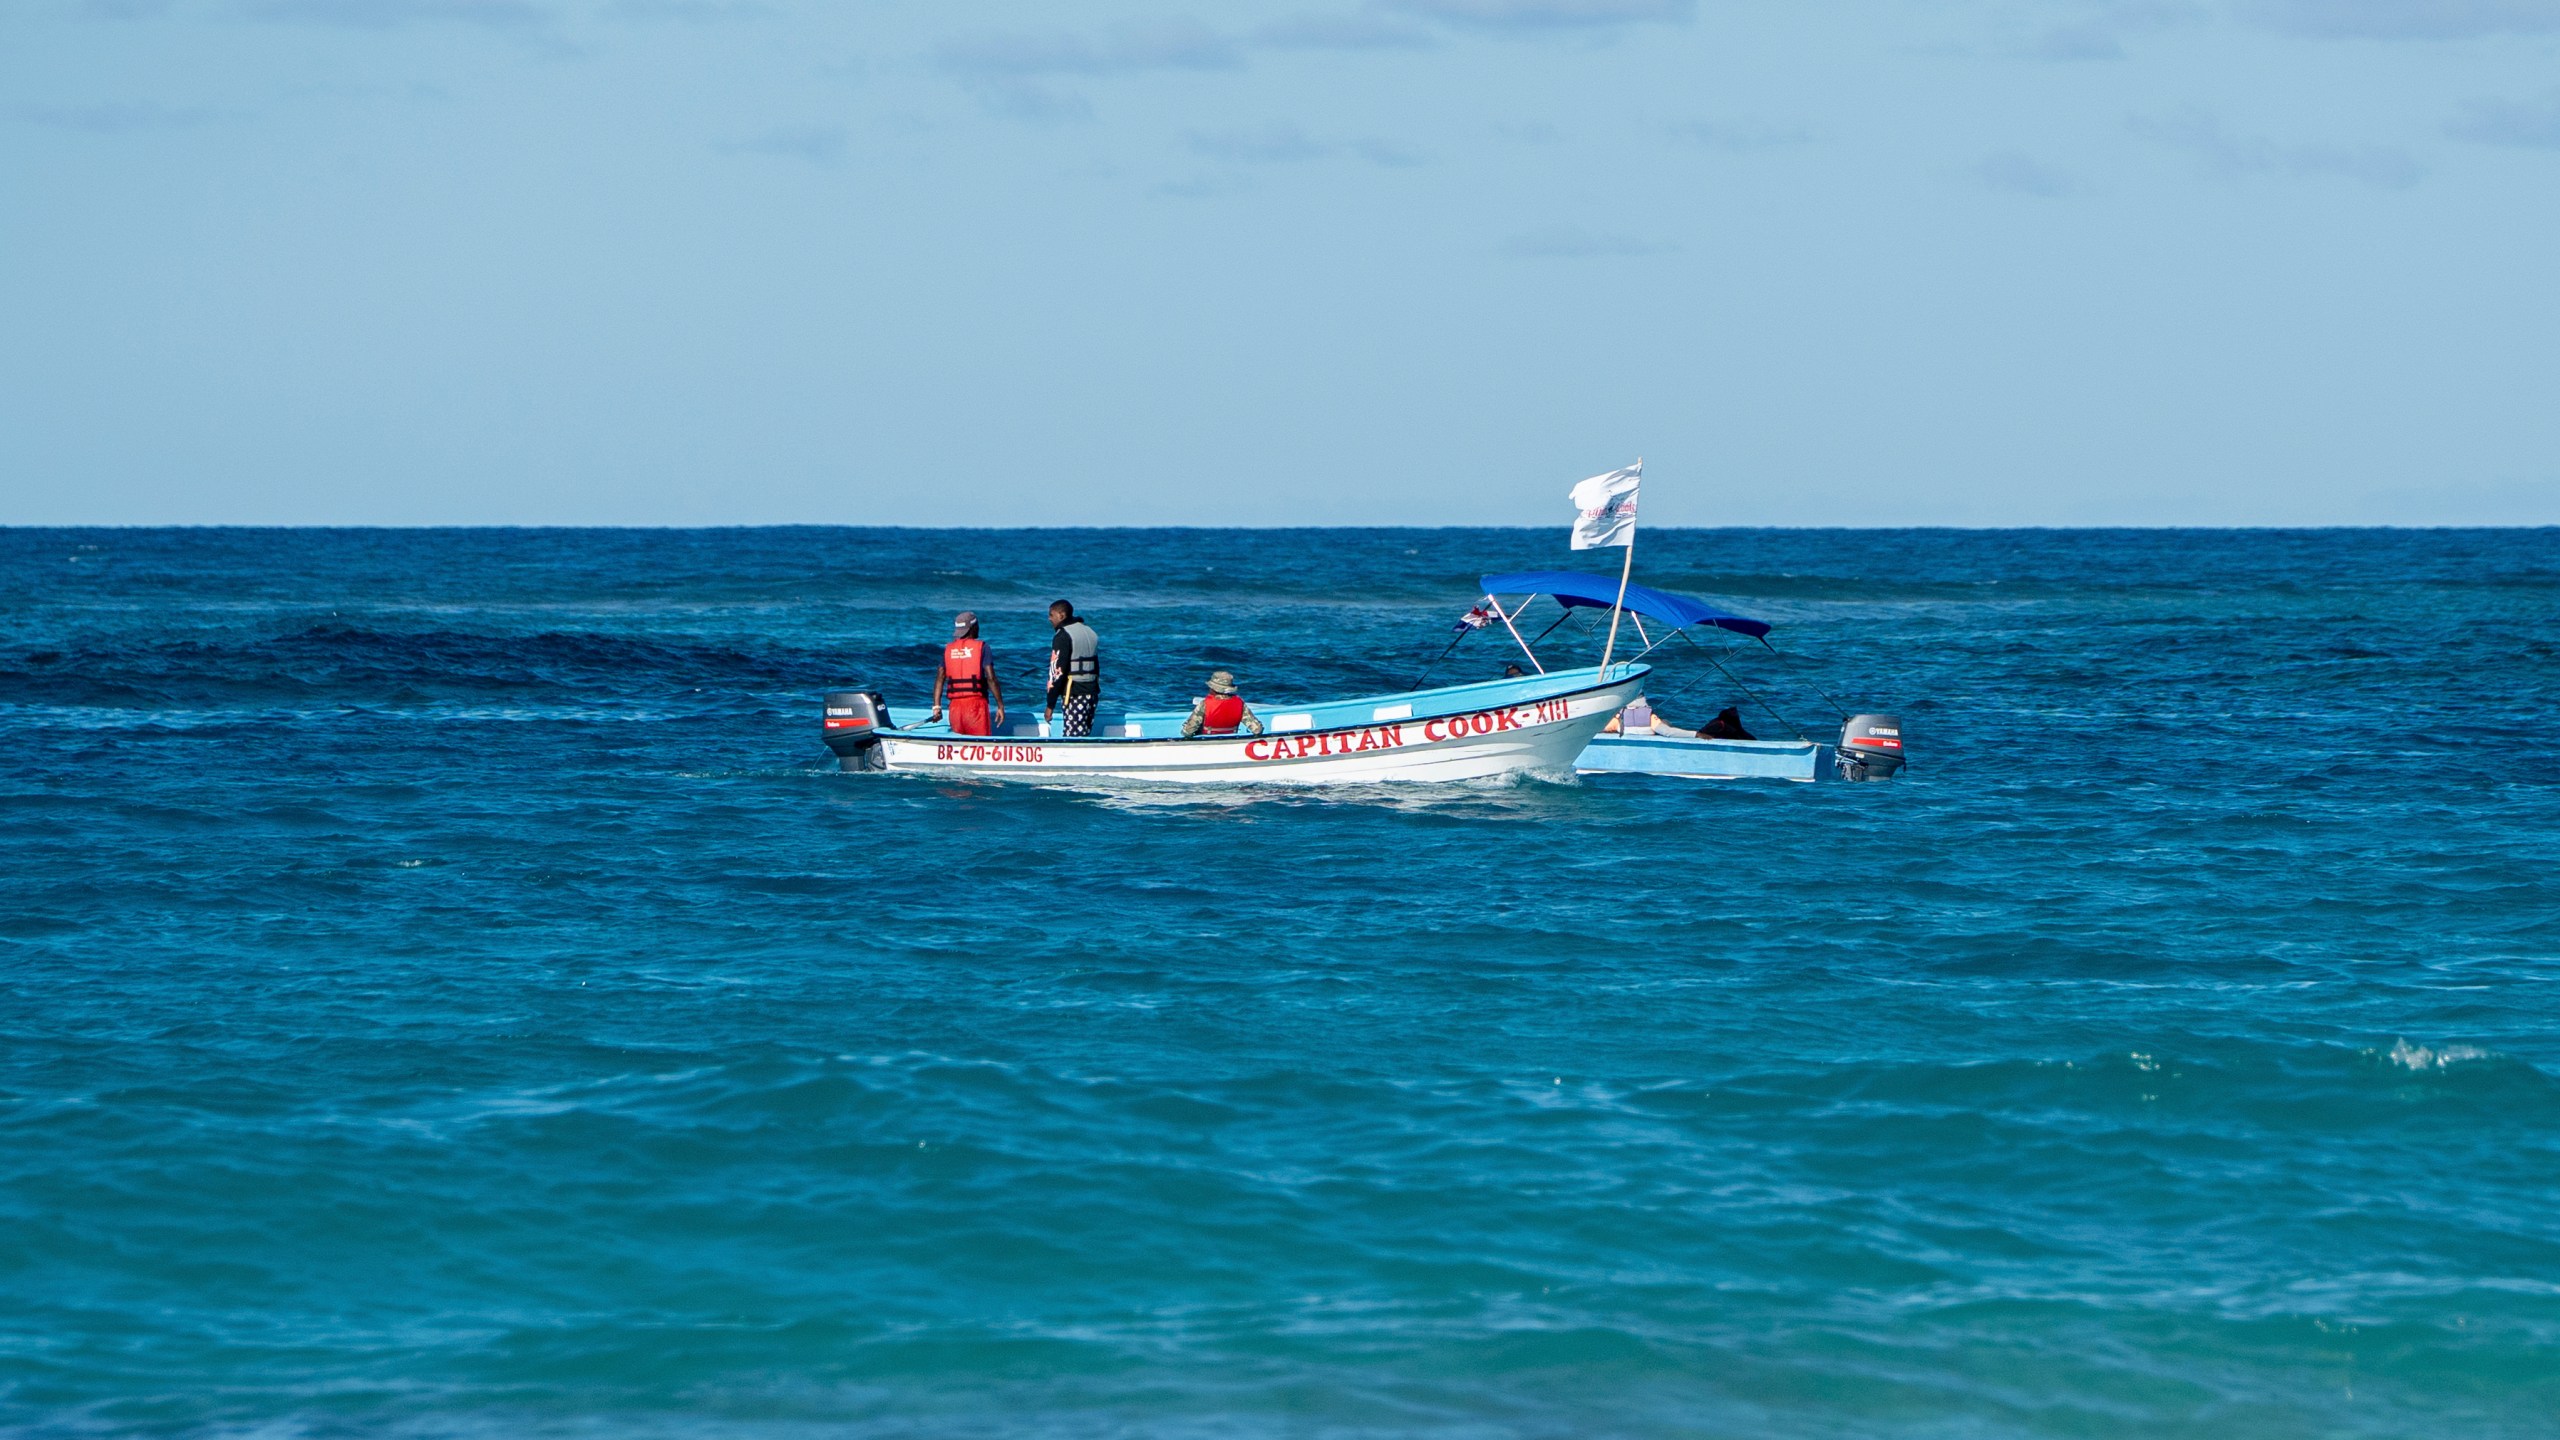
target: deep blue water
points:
(445, 990)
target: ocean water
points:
(446, 990)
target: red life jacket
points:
(964, 664)
(1221, 714)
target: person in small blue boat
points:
(1222, 711)
(1075, 669)
(1726, 726)
(1639, 719)
(971, 676)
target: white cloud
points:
(1166, 45)
(2534, 124)
(816, 144)
(1259, 145)
(1740, 136)
(1572, 242)
(531, 25)
(1198, 187)
(1548, 14)
(1031, 102)
(2406, 19)
(395, 14)
(123, 117)
(1282, 143)
(1389, 153)
(1013, 74)
(2097, 32)
(689, 12)
(1341, 32)
(2221, 152)
(2076, 42)
(2023, 174)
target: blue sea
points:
(447, 990)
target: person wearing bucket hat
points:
(971, 674)
(1222, 711)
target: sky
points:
(1324, 262)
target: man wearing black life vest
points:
(1075, 669)
(1222, 711)
(971, 676)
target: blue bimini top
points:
(1571, 588)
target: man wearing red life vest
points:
(971, 676)
(1222, 711)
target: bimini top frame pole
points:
(1508, 617)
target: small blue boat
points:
(1638, 742)
(1701, 759)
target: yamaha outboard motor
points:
(855, 719)
(1870, 748)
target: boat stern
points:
(851, 728)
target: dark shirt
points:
(1726, 726)
(1062, 649)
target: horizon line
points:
(11, 526)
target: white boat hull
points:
(1494, 739)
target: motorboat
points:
(1526, 724)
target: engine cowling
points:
(853, 722)
(1871, 748)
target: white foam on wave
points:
(2420, 1057)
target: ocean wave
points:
(2423, 1058)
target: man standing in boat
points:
(971, 676)
(1075, 669)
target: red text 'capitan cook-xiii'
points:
(1391, 737)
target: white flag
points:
(1608, 508)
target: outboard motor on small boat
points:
(1870, 748)
(854, 721)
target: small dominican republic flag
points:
(1475, 619)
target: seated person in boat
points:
(1726, 726)
(1639, 719)
(1220, 712)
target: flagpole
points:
(1624, 571)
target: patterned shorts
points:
(1079, 715)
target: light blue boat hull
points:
(1798, 760)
